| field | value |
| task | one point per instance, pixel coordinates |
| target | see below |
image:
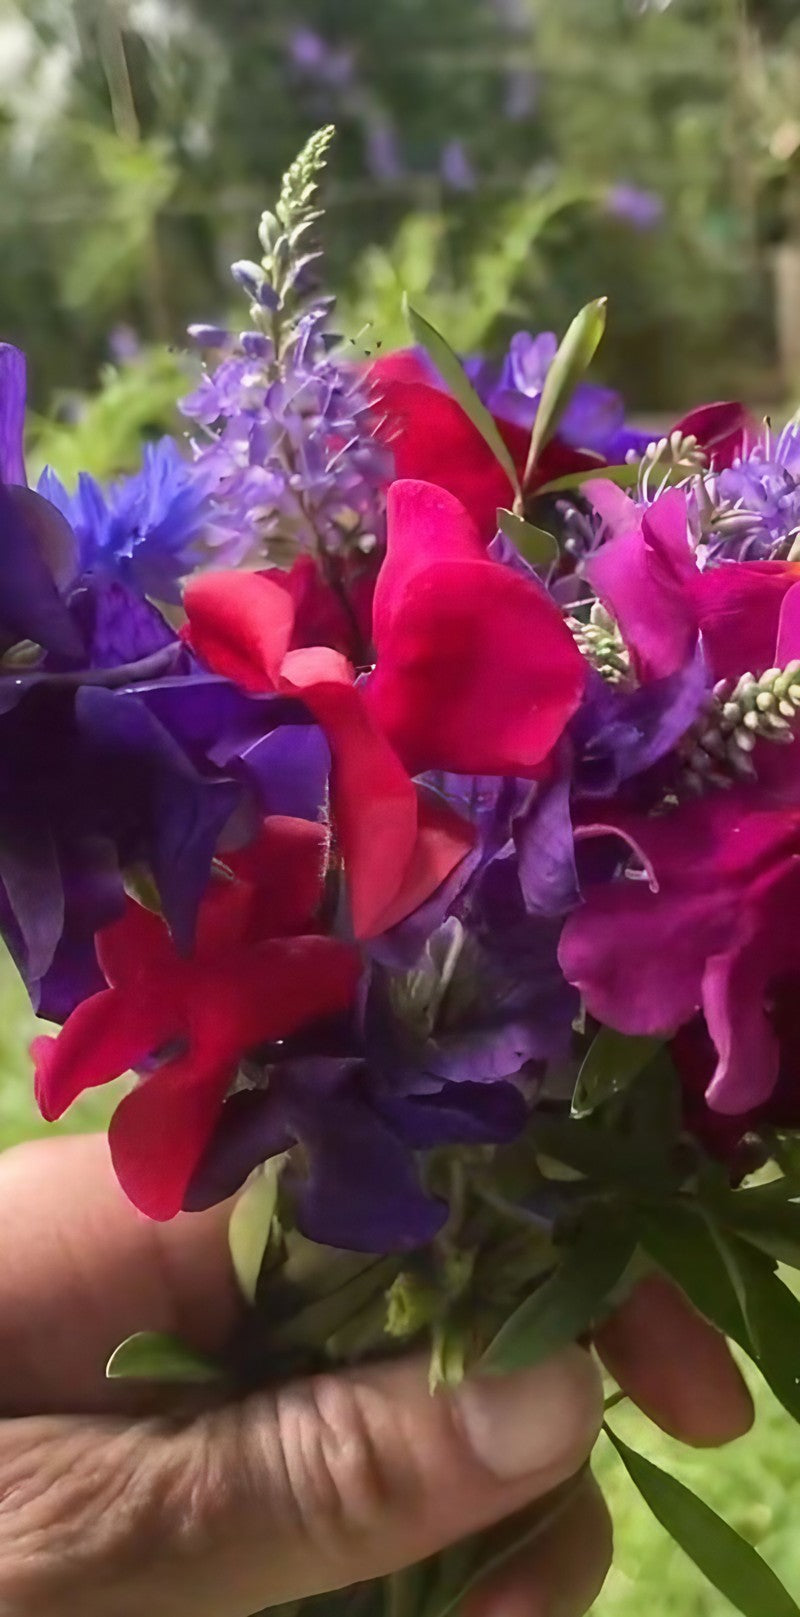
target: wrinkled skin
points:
(109, 1507)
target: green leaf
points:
(154, 1356)
(626, 476)
(249, 1229)
(564, 1307)
(767, 1221)
(680, 1242)
(612, 1063)
(730, 1564)
(536, 545)
(574, 356)
(452, 372)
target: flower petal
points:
(241, 625)
(374, 801)
(101, 1040)
(13, 387)
(489, 642)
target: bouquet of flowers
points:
(402, 779)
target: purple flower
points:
(594, 418)
(147, 529)
(288, 451)
(319, 60)
(642, 209)
(455, 167)
(384, 158)
(752, 509)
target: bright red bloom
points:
(258, 972)
(433, 441)
(397, 843)
(476, 671)
(335, 610)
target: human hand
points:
(109, 1512)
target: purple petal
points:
(13, 387)
(30, 605)
(179, 814)
(31, 880)
(546, 851)
(289, 769)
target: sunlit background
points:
(503, 161)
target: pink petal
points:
(646, 579)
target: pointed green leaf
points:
(626, 476)
(768, 1221)
(730, 1564)
(564, 1307)
(249, 1229)
(612, 1063)
(680, 1242)
(535, 545)
(574, 357)
(153, 1356)
(452, 372)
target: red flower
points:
(476, 673)
(433, 441)
(397, 843)
(333, 610)
(258, 972)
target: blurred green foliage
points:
(481, 147)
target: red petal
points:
(102, 1039)
(161, 1129)
(476, 672)
(374, 802)
(432, 439)
(241, 625)
(136, 946)
(404, 365)
(424, 525)
(286, 867)
(443, 839)
(269, 992)
(722, 430)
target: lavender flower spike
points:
(286, 439)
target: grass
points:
(755, 1484)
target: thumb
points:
(311, 1487)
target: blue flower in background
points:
(147, 529)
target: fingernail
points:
(544, 1419)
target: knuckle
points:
(80, 1510)
(344, 1457)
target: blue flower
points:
(147, 529)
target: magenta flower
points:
(713, 929)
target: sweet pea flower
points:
(447, 618)
(258, 971)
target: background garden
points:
(503, 161)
